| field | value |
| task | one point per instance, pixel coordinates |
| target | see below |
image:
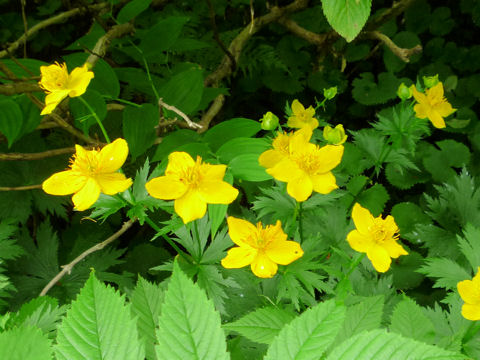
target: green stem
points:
(197, 235)
(147, 69)
(300, 224)
(471, 331)
(122, 101)
(166, 238)
(94, 114)
(354, 265)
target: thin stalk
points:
(94, 114)
(166, 238)
(197, 235)
(354, 265)
(300, 223)
(123, 101)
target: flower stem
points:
(354, 265)
(166, 238)
(300, 224)
(94, 114)
(197, 235)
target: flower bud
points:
(430, 81)
(330, 93)
(404, 92)
(269, 121)
(334, 136)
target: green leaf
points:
(469, 245)
(409, 320)
(440, 162)
(347, 17)
(309, 335)
(172, 141)
(146, 300)
(25, 343)
(184, 91)
(242, 145)
(162, 35)
(11, 120)
(189, 327)
(407, 215)
(374, 198)
(447, 272)
(132, 9)
(405, 40)
(246, 167)
(404, 271)
(31, 115)
(366, 315)
(139, 127)
(388, 346)
(261, 325)
(367, 92)
(230, 129)
(98, 326)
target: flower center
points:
(380, 233)
(307, 161)
(86, 163)
(192, 176)
(56, 78)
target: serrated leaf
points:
(347, 17)
(146, 300)
(409, 320)
(189, 327)
(447, 272)
(261, 325)
(25, 343)
(470, 245)
(309, 335)
(98, 326)
(374, 198)
(388, 346)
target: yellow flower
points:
(334, 136)
(307, 168)
(91, 172)
(432, 105)
(376, 237)
(192, 185)
(281, 147)
(261, 248)
(58, 84)
(469, 291)
(302, 117)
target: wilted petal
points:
(217, 192)
(379, 258)
(113, 183)
(112, 156)
(87, 196)
(190, 206)
(64, 183)
(284, 252)
(238, 257)
(263, 267)
(166, 188)
(362, 218)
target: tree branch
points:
(36, 156)
(401, 53)
(179, 112)
(20, 188)
(68, 268)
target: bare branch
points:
(20, 188)
(401, 53)
(181, 113)
(36, 156)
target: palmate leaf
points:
(98, 326)
(261, 325)
(470, 245)
(378, 344)
(309, 335)
(189, 326)
(447, 272)
(25, 343)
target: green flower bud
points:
(430, 81)
(404, 92)
(335, 136)
(330, 93)
(269, 121)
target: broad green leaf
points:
(173, 141)
(25, 343)
(242, 145)
(383, 345)
(409, 320)
(230, 129)
(162, 35)
(309, 335)
(184, 91)
(189, 326)
(261, 325)
(246, 167)
(11, 120)
(374, 198)
(132, 9)
(347, 17)
(367, 92)
(24, 68)
(440, 162)
(139, 127)
(146, 301)
(98, 326)
(31, 115)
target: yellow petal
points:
(468, 292)
(113, 183)
(300, 188)
(190, 206)
(112, 156)
(394, 249)
(179, 162)
(87, 196)
(52, 100)
(419, 97)
(444, 109)
(270, 158)
(217, 192)
(286, 170)
(362, 218)
(324, 183)
(297, 107)
(263, 267)
(331, 156)
(238, 257)
(471, 312)
(422, 111)
(436, 91)
(64, 183)
(436, 119)
(284, 252)
(213, 172)
(166, 188)
(358, 241)
(78, 80)
(379, 258)
(240, 230)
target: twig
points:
(20, 188)
(396, 9)
(36, 156)
(25, 26)
(401, 53)
(311, 37)
(50, 21)
(18, 88)
(68, 268)
(212, 111)
(179, 112)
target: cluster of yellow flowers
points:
(193, 184)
